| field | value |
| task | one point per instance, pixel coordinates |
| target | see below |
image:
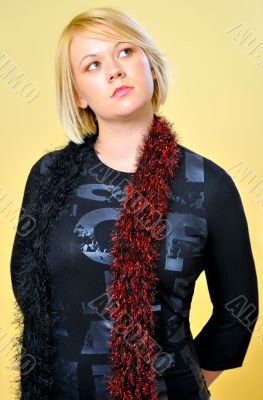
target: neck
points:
(118, 141)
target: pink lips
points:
(122, 91)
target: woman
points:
(109, 319)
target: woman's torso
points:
(79, 256)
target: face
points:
(115, 64)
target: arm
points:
(232, 283)
(27, 222)
(210, 376)
(26, 225)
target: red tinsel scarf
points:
(135, 248)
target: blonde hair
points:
(79, 122)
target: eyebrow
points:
(95, 55)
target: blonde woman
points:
(114, 230)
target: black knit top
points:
(206, 232)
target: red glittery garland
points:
(135, 248)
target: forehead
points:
(110, 29)
(105, 34)
(90, 42)
(90, 39)
(81, 46)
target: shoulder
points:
(38, 169)
(69, 153)
(46, 160)
(223, 201)
(42, 164)
(196, 162)
(221, 192)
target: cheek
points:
(90, 87)
(144, 71)
(146, 79)
(80, 83)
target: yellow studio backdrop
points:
(215, 101)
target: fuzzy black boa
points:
(35, 347)
(33, 309)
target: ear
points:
(81, 102)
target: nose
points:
(115, 73)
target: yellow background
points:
(215, 101)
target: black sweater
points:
(207, 231)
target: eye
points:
(96, 62)
(88, 66)
(127, 48)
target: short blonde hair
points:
(79, 122)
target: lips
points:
(121, 89)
